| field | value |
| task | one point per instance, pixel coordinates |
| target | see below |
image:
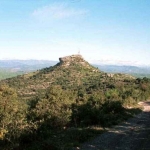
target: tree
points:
(12, 115)
(52, 110)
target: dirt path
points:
(131, 135)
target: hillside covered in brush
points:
(71, 72)
(47, 103)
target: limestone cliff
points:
(73, 59)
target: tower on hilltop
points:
(79, 52)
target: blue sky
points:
(104, 31)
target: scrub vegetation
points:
(62, 106)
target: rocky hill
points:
(72, 60)
(12, 68)
(71, 72)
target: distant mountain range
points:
(133, 70)
(24, 65)
(12, 68)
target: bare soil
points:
(133, 134)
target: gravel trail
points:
(133, 134)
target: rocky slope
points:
(70, 71)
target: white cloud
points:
(57, 11)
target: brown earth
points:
(133, 134)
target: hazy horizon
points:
(94, 62)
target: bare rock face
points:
(70, 58)
(73, 59)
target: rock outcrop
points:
(73, 59)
